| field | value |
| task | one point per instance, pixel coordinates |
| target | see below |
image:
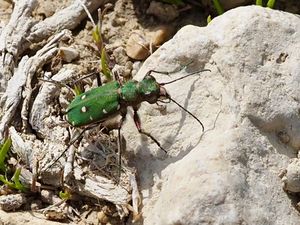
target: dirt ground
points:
(132, 30)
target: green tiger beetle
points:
(113, 98)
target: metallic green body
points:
(129, 91)
(94, 105)
(100, 103)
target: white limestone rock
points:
(250, 98)
(291, 178)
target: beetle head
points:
(149, 89)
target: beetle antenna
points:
(187, 112)
(180, 78)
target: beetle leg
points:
(117, 78)
(137, 122)
(123, 117)
(98, 78)
(72, 141)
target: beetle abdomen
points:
(94, 105)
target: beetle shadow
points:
(155, 165)
(171, 138)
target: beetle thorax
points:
(133, 92)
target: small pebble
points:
(120, 56)
(36, 204)
(164, 12)
(161, 34)
(68, 54)
(49, 197)
(137, 47)
(12, 202)
(136, 67)
(102, 217)
(292, 177)
(128, 69)
(4, 5)
(56, 213)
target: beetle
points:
(101, 103)
(113, 98)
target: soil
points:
(121, 20)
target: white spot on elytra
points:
(83, 97)
(83, 109)
(148, 93)
(104, 111)
(91, 118)
(73, 123)
(118, 107)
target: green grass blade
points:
(16, 179)
(96, 33)
(218, 7)
(271, 4)
(104, 65)
(77, 89)
(208, 19)
(3, 153)
(65, 195)
(5, 181)
(259, 2)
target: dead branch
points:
(67, 18)
(21, 31)
(36, 62)
(12, 37)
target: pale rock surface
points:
(229, 174)
(291, 178)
